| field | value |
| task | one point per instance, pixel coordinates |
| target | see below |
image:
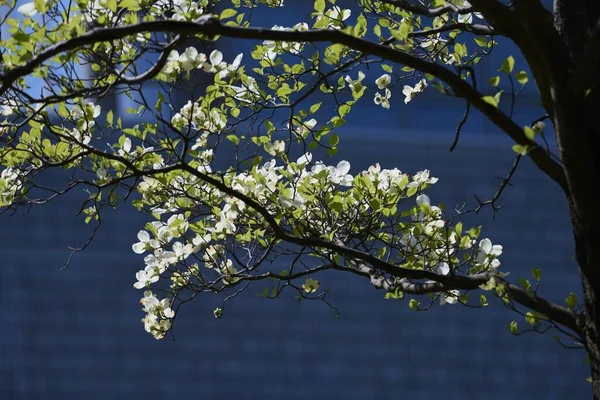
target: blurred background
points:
(76, 333)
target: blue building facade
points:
(76, 333)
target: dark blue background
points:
(76, 334)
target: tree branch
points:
(210, 26)
(473, 28)
(435, 282)
(529, 24)
(428, 12)
(554, 312)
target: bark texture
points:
(577, 126)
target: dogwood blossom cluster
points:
(10, 184)
(79, 123)
(334, 17)
(159, 314)
(468, 17)
(306, 195)
(193, 115)
(247, 92)
(211, 227)
(439, 47)
(383, 83)
(183, 10)
(277, 48)
(191, 59)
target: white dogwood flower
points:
(383, 100)
(411, 92)
(488, 253)
(383, 81)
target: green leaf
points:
(522, 77)
(526, 284)
(460, 50)
(343, 110)
(413, 304)
(537, 273)
(334, 140)
(320, 6)
(377, 30)
(529, 133)
(483, 301)
(513, 327)
(40, 5)
(315, 107)
(411, 191)
(490, 100)
(360, 29)
(497, 97)
(131, 5)
(481, 41)
(571, 301)
(520, 149)
(508, 65)
(375, 204)
(494, 81)
(227, 13)
(284, 90)
(337, 122)
(233, 139)
(111, 5)
(458, 228)
(109, 118)
(531, 319)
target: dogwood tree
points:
(218, 230)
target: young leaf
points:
(508, 65)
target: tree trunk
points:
(578, 137)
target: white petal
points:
(27, 9)
(343, 167)
(143, 236)
(465, 18)
(443, 268)
(139, 285)
(238, 60)
(305, 159)
(216, 57)
(496, 250)
(486, 246)
(6, 110)
(127, 145)
(139, 248)
(191, 53)
(423, 199)
(169, 313)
